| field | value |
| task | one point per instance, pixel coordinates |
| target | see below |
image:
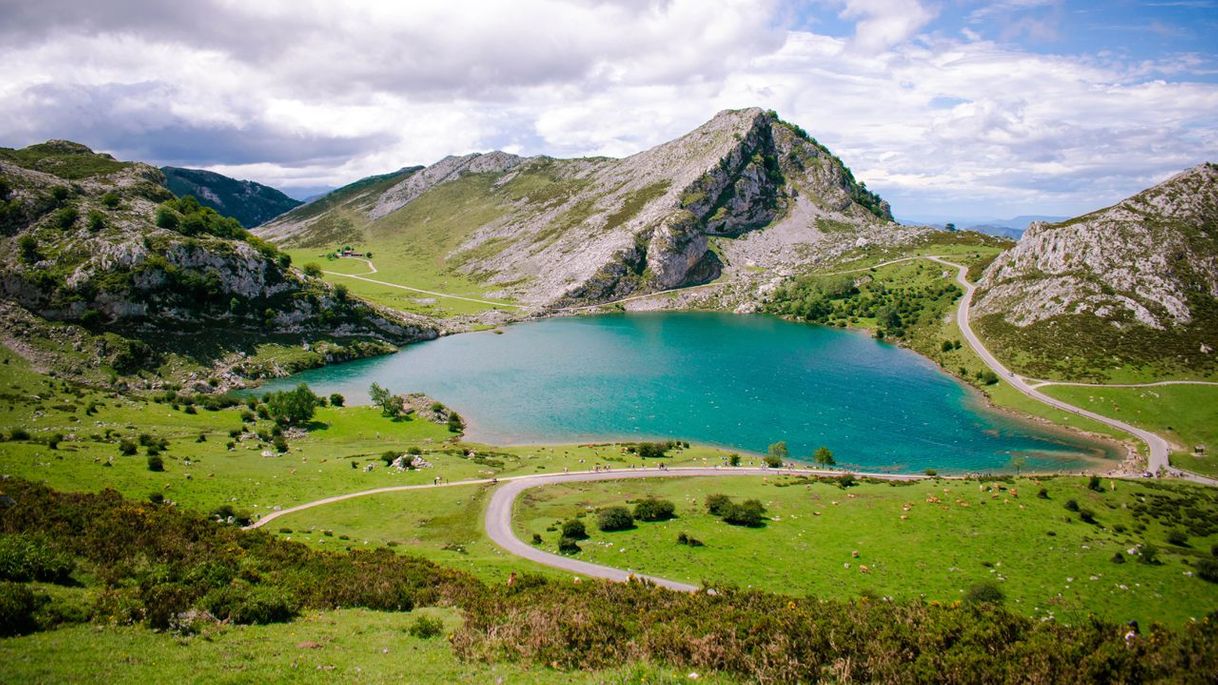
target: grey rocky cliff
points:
(744, 192)
(1143, 261)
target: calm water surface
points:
(737, 381)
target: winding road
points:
(1160, 451)
(498, 516)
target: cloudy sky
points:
(951, 109)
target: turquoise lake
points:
(738, 381)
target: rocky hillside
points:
(1130, 285)
(102, 264)
(250, 203)
(744, 193)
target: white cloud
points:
(321, 94)
(885, 23)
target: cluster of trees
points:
(391, 405)
(778, 453)
(655, 450)
(840, 299)
(186, 216)
(610, 519)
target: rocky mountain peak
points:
(1144, 269)
(448, 169)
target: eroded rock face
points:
(126, 272)
(552, 232)
(1140, 262)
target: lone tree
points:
(718, 504)
(652, 509)
(574, 529)
(750, 513)
(779, 449)
(391, 405)
(614, 518)
(292, 407)
(824, 456)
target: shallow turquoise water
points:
(737, 381)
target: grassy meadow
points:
(1187, 415)
(929, 540)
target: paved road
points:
(498, 520)
(499, 513)
(1159, 449)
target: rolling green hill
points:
(106, 273)
(248, 202)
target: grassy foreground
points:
(351, 645)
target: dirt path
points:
(417, 290)
(1041, 384)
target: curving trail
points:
(417, 290)
(1041, 384)
(498, 518)
(1159, 449)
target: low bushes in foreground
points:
(172, 570)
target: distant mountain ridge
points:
(250, 203)
(744, 192)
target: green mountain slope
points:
(745, 195)
(248, 202)
(105, 272)
(1125, 291)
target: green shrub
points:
(66, 217)
(568, 545)
(773, 461)
(111, 200)
(614, 518)
(19, 434)
(652, 450)
(26, 557)
(251, 605)
(749, 513)
(17, 607)
(126, 447)
(985, 592)
(1177, 538)
(1207, 570)
(312, 269)
(574, 529)
(1093, 483)
(717, 504)
(652, 509)
(1071, 505)
(166, 218)
(426, 628)
(337, 400)
(96, 220)
(155, 462)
